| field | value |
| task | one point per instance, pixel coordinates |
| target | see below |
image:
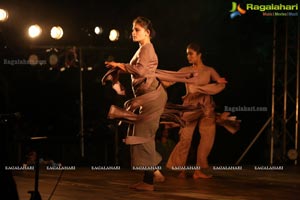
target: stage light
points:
(292, 154)
(3, 15)
(114, 35)
(98, 30)
(34, 31)
(56, 32)
(53, 59)
(33, 59)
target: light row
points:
(56, 32)
(35, 31)
(54, 64)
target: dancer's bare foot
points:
(133, 186)
(198, 174)
(142, 186)
(158, 177)
(182, 175)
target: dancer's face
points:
(192, 56)
(139, 33)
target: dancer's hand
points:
(112, 64)
(221, 80)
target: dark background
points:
(47, 102)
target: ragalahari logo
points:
(236, 10)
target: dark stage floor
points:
(86, 184)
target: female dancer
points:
(152, 99)
(198, 94)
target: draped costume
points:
(149, 108)
(197, 94)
